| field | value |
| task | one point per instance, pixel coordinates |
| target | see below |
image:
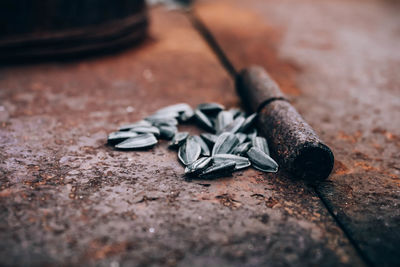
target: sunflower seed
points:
(210, 139)
(217, 170)
(242, 137)
(177, 108)
(117, 137)
(189, 151)
(127, 127)
(210, 108)
(234, 126)
(235, 112)
(248, 122)
(223, 119)
(187, 115)
(242, 149)
(167, 132)
(198, 166)
(252, 134)
(139, 141)
(229, 145)
(225, 143)
(163, 121)
(163, 116)
(184, 111)
(261, 143)
(203, 120)
(178, 139)
(262, 161)
(241, 162)
(205, 151)
(146, 129)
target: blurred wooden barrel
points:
(37, 28)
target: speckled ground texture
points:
(66, 198)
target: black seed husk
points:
(241, 162)
(210, 139)
(262, 161)
(218, 170)
(203, 120)
(127, 127)
(210, 108)
(225, 143)
(242, 149)
(261, 143)
(223, 119)
(117, 137)
(178, 139)
(189, 151)
(198, 166)
(138, 142)
(234, 126)
(205, 151)
(167, 132)
(248, 122)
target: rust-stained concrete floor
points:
(68, 199)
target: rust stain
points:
(271, 202)
(228, 201)
(394, 177)
(146, 199)
(8, 192)
(98, 250)
(378, 130)
(352, 138)
(360, 155)
(365, 166)
(389, 136)
(340, 168)
(378, 147)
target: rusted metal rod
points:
(296, 146)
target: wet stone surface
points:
(68, 198)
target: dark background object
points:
(31, 28)
(297, 147)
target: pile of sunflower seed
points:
(231, 142)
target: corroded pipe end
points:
(296, 146)
(314, 162)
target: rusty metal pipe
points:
(296, 146)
